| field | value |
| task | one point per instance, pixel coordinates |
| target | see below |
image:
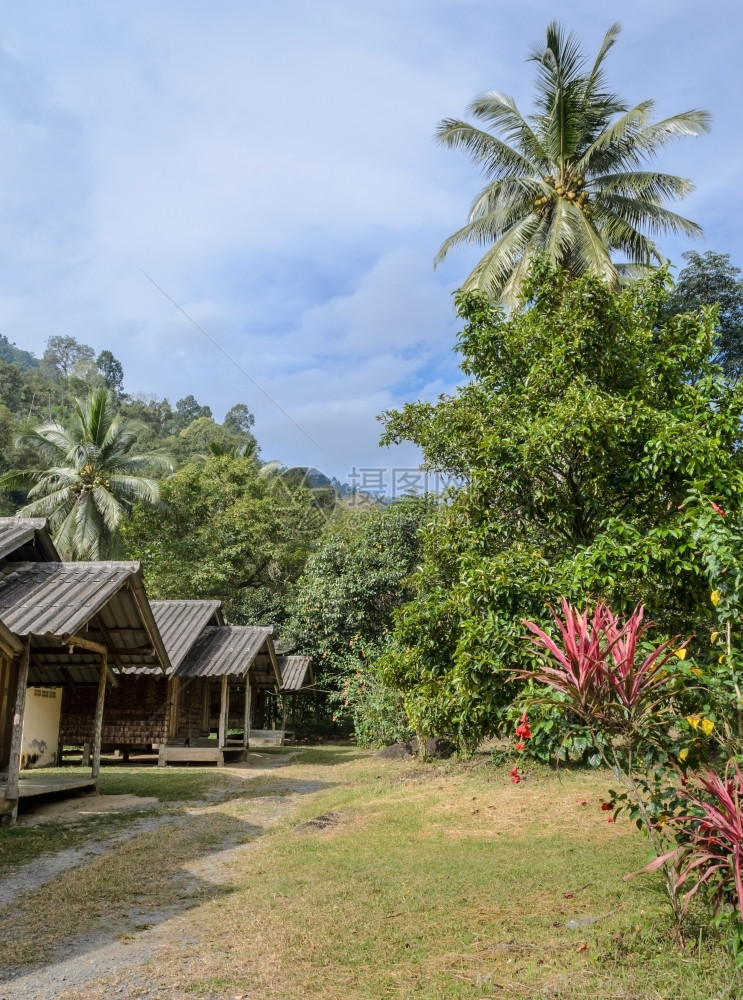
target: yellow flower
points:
(681, 653)
(693, 720)
(715, 597)
(696, 670)
(707, 726)
(684, 753)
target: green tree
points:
(112, 371)
(710, 279)
(566, 182)
(62, 354)
(12, 386)
(11, 354)
(90, 476)
(228, 533)
(342, 606)
(591, 436)
(239, 420)
(187, 410)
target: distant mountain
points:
(13, 355)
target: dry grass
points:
(440, 883)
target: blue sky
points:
(270, 164)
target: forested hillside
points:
(194, 501)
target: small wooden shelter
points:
(223, 678)
(73, 625)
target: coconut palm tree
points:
(566, 182)
(89, 479)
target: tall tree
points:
(187, 410)
(566, 182)
(63, 353)
(112, 371)
(591, 439)
(710, 279)
(90, 476)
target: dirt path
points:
(47, 867)
(124, 950)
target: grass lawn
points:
(447, 881)
(434, 881)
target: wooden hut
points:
(197, 712)
(297, 681)
(219, 686)
(78, 626)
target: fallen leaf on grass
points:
(582, 946)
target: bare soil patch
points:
(74, 809)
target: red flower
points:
(521, 746)
(607, 805)
(610, 819)
(718, 510)
(523, 731)
(515, 770)
(516, 778)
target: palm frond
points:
(588, 249)
(109, 507)
(627, 125)
(492, 272)
(654, 218)
(499, 111)
(648, 185)
(495, 157)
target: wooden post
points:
(283, 714)
(175, 705)
(246, 713)
(16, 740)
(98, 724)
(224, 702)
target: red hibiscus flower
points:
(523, 729)
(521, 746)
(718, 510)
(607, 805)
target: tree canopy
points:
(710, 279)
(592, 432)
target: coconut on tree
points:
(566, 182)
(89, 478)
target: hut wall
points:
(135, 712)
(41, 727)
(193, 709)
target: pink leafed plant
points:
(595, 663)
(712, 853)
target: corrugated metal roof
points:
(27, 533)
(180, 624)
(104, 602)
(57, 598)
(228, 650)
(296, 672)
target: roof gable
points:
(26, 539)
(180, 624)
